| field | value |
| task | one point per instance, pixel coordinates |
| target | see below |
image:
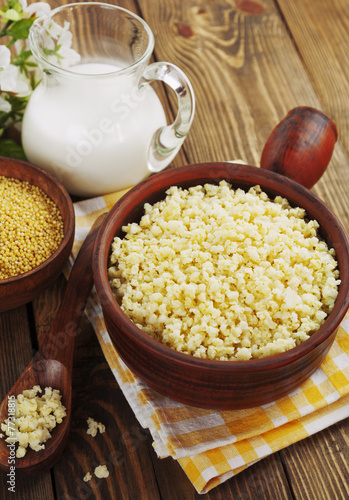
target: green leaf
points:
(20, 58)
(17, 6)
(11, 149)
(20, 29)
(52, 52)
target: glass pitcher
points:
(94, 121)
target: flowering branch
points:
(19, 73)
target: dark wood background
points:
(250, 62)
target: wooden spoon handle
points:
(301, 145)
(60, 341)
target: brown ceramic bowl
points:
(207, 383)
(19, 290)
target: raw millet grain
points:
(31, 227)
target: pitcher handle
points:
(167, 140)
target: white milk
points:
(93, 132)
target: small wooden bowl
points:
(207, 383)
(19, 290)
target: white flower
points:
(5, 106)
(66, 37)
(10, 81)
(10, 78)
(5, 57)
(23, 4)
(57, 35)
(53, 29)
(37, 9)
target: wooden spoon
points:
(52, 365)
(300, 147)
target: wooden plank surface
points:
(317, 467)
(320, 31)
(249, 63)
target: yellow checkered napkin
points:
(213, 446)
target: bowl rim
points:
(68, 231)
(178, 176)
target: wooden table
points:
(249, 63)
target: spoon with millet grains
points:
(52, 365)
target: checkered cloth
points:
(213, 446)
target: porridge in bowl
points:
(224, 274)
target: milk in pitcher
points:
(83, 129)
